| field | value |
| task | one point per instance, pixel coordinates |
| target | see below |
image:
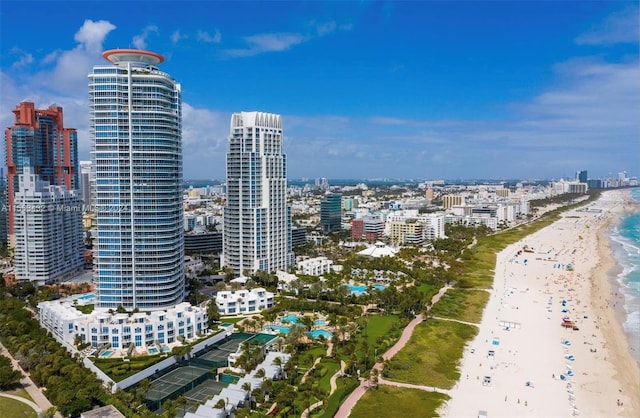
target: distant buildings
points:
(39, 139)
(448, 201)
(257, 219)
(201, 241)
(369, 228)
(48, 231)
(85, 184)
(135, 125)
(298, 236)
(331, 213)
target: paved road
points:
(23, 400)
(33, 391)
(350, 402)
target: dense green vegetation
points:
(406, 403)
(432, 354)
(461, 304)
(345, 386)
(8, 376)
(69, 386)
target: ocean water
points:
(626, 250)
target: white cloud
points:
(91, 35)
(140, 41)
(24, 58)
(176, 36)
(619, 27)
(204, 36)
(277, 42)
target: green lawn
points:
(344, 387)
(327, 368)
(432, 354)
(15, 409)
(462, 304)
(20, 392)
(428, 290)
(378, 325)
(389, 401)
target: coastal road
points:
(350, 402)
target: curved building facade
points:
(136, 134)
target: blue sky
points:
(416, 89)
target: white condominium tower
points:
(257, 220)
(48, 231)
(135, 127)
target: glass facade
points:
(331, 213)
(135, 129)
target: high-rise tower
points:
(257, 220)
(39, 139)
(135, 119)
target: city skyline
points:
(368, 89)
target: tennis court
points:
(221, 352)
(174, 381)
(205, 390)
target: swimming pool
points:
(281, 329)
(315, 334)
(88, 296)
(166, 349)
(106, 353)
(152, 350)
(357, 288)
(319, 322)
(291, 318)
(360, 288)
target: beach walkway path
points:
(350, 402)
(36, 393)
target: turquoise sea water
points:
(626, 250)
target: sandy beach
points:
(550, 344)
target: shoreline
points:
(523, 362)
(631, 207)
(627, 369)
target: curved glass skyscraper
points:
(135, 129)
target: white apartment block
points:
(314, 266)
(119, 330)
(257, 218)
(48, 231)
(243, 301)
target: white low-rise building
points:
(243, 301)
(102, 328)
(314, 266)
